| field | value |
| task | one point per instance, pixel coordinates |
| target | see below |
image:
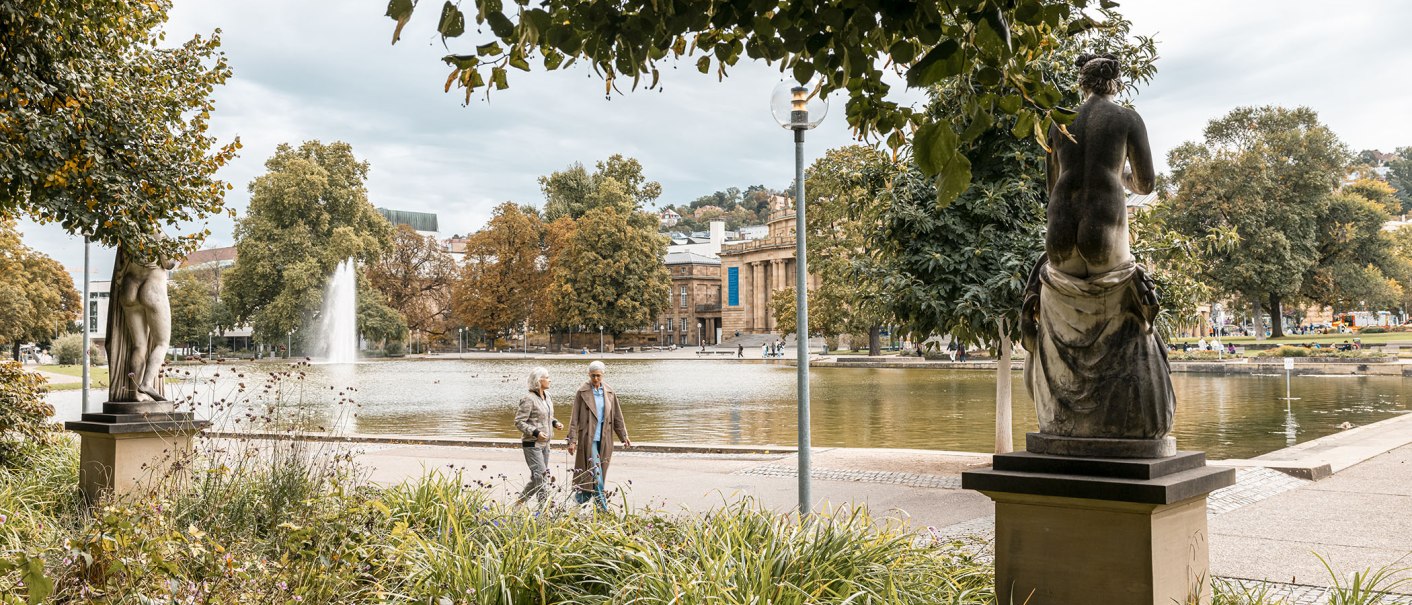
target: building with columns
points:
(753, 271)
(693, 314)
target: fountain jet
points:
(340, 315)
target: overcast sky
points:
(324, 70)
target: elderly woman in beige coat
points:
(536, 422)
(593, 420)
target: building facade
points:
(693, 314)
(753, 271)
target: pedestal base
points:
(1072, 531)
(121, 453)
(1097, 447)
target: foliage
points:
(102, 129)
(307, 213)
(1175, 261)
(736, 207)
(1400, 176)
(24, 413)
(1367, 587)
(1266, 173)
(843, 213)
(68, 350)
(611, 273)
(1000, 49)
(961, 269)
(192, 303)
(415, 277)
(1400, 262)
(37, 296)
(503, 281)
(1353, 253)
(1377, 191)
(378, 322)
(1287, 351)
(617, 182)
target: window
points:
(93, 316)
(683, 297)
(683, 327)
(733, 286)
(682, 340)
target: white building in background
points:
(668, 218)
(98, 297)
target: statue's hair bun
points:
(1098, 72)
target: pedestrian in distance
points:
(739, 351)
(535, 420)
(593, 420)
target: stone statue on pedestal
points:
(139, 328)
(1096, 368)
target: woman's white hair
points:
(598, 366)
(535, 376)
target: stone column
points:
(762, 289)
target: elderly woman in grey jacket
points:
(535, 420)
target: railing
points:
(758, 244)
(710, 308)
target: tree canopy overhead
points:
(1001, 48)
(102, 130)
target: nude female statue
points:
(1096, 367)
(139, 328)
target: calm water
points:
(725, 402)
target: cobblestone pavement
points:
(829, 474)
(1252, 485)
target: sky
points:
(325, 70)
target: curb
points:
(660, 448)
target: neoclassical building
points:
(753, 270)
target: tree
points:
(502, 281)
(1352, 255)
(844, 213)
(1400, 251)
(1001, 48)
(192, 302)
(307, 213)
(1267, 173)
(611, 273)
(101, 130)
(414, 275)
(37, 296)
(617, 182)
(1400, 176)
(961, 268)
(1377, 191)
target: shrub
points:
(1372, 330)
(1196, 355)
(1289, 351)
(394, 348)
(24, 414)
(68, 350)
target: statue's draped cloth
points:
(1097, 368)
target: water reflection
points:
(723, 402)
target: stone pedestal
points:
(125, 447)
(1072, 531)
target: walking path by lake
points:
(1269, 526)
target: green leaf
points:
(989, 76)
(489, 49)
(452, 23)
(1010, 104)
(497, 76)
(703, 64)
(903, 52)
(461, 61)
(1063, 115)
(1107, 4)
(980, 122)
(803, 71)
(943, 61)
(553, 59)
(40, 585)
(517, 60)
(934, 145)
(993, 34)
(399, 10)
(1024, 125)
(954, 179)
(500, 24)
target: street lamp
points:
(288, 340)
(86, 319)
(600, 339)
(460, 340)
(799, 108)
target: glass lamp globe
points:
(798, 106)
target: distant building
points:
(752, 270)
(210, 265)
(705, 244)
(423, 223)
(693, 314)
(98, 297)
(669, 218)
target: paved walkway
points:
(1268, 527)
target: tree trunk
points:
(1004, 429)
(15, 350)
(874, 341)
(1256, 321)
(1277, 323)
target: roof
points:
(420, 221)
(690, 258)
(1141, 201)
(209, 255)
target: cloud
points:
(325, 70)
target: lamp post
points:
(799, 108)
(460, 341)
(600, 339)
(288, 341)
(86, 320)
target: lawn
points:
(1367, 339)
(97, 376)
